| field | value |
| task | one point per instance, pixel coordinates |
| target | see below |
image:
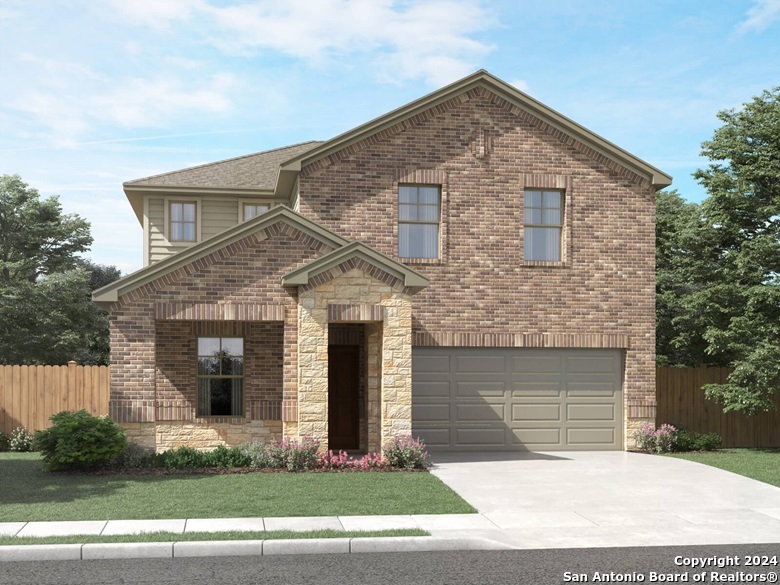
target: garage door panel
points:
(541, 389)
(534, 438)
(517, 398)
(480, 412)
(536, 365)
(431, 412)
(426, 389)
(535, 412)
(595, 437)
(484, 389)
(466, 364)
(590, 364)
(434, 437)
(484, 437)
(585, 389)
(590, 412)
(431, 363)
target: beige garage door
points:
(517, 399)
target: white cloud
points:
(761, 16)
(520, 84)
(428, 39)
(157, 14)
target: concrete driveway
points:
(594, 499)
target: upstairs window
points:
(419, 216)
(220, 376)
(253, 210)
(543, 225)
(183, 222)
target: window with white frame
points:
(254, 209)
(183, 222)
(220, 376)
(543, 225)
(419, 218)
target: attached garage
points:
(517, 399)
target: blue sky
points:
(95, 93)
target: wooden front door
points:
(343, 389)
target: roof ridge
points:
(235, 158)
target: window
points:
(220, 376)
(252, 210)
(543, 223)
(418, 221)
(183, 224)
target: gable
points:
(507, 97)
(270, 223)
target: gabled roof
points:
(111, 293)
(304, 274)
(252, 171)
(482, 78)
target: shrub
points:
(287, 454)
(226, 457)
(134, 456)
(343, 462)
(665, 438)
(645, 437)
(181, 458)
(693, 441)
(21, 440)
(78, 440)
(406, 452)
(5, 442)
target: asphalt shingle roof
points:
(252, 171)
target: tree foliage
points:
(46, 312)
(719, 263)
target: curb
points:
(224, 548)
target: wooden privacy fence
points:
(29, 395)
(681, 402)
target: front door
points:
(343, 389)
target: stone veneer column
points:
(389, 397)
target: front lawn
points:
(760, 464)
(29, 493)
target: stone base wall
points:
(632, 426)
(162, 436)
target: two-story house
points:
(473, 268)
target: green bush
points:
(21, 440)
(78, 440)
(188, 458)
(134, 456)
(692, 441)
(5, 442)
(289, 454)
(227, 457)
(406, 452)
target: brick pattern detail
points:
(585, 340)
(601, 295)
(354, 312)
(346, 266)
(219, 312)
(150, 380)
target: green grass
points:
(760, 464)
(30, 493)
(193, 536)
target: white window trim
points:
(198, 219)
(242, 202)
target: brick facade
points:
(600, 295)
(483, 151)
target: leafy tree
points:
(46, 312)
(737, 305)
(36, 238)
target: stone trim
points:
(363, 312)
(219, 312)
(584, 340)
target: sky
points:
(94, 93)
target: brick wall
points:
(484, 152)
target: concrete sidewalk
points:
(459, 524)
